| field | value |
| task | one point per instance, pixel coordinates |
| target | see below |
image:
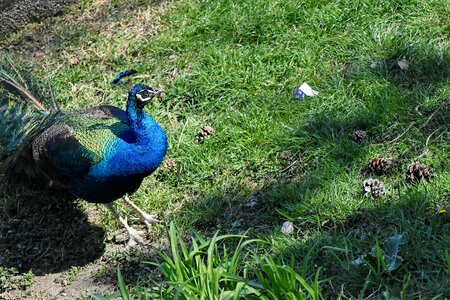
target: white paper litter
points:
(305, 90)
(403, 64)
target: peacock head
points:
(143, 94)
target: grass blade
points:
(122, 287)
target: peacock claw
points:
(146, 218)
(134, 235)
(149, 220)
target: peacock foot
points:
(149, 220)
(146, 218)
(135, 237)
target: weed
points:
(73, 273)
(11, 279)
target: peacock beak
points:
(157, 92)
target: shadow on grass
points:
(414, 87)
(338, 232)
(421, 86)
(44, 231)
(333, 235)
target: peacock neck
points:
(138, 120)
(147, 132)
(147, 149)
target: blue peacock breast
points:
(106, 189)
(124, 161)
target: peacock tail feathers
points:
(16, 81)
(25, 110)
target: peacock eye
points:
(144, 95)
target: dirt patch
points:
(16, 13)
(54, 248)
(70, 257)
(44, 236)
(61, 286)
(46, 233)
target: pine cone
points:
(285, 155)
(378, 166)
(359, 136)
(416, 171)
(373, 187)
(169, 165)
(205, 132)
(167, 168)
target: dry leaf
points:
(74, 61)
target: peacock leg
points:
(134, 235)
(145, 217)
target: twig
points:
(421, 155)
(428, 139)
(409, 127)
(431, 116)
(398, 137)
(181, 134)
(289, 166)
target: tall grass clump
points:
(207, 269)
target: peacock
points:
(98, 154)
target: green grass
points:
(234, 65)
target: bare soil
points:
(63, 244)
(49, 234)
(56, 286)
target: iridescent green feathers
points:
(98, 154)
(76, 141)
(30, 115)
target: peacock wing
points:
(72, 145)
